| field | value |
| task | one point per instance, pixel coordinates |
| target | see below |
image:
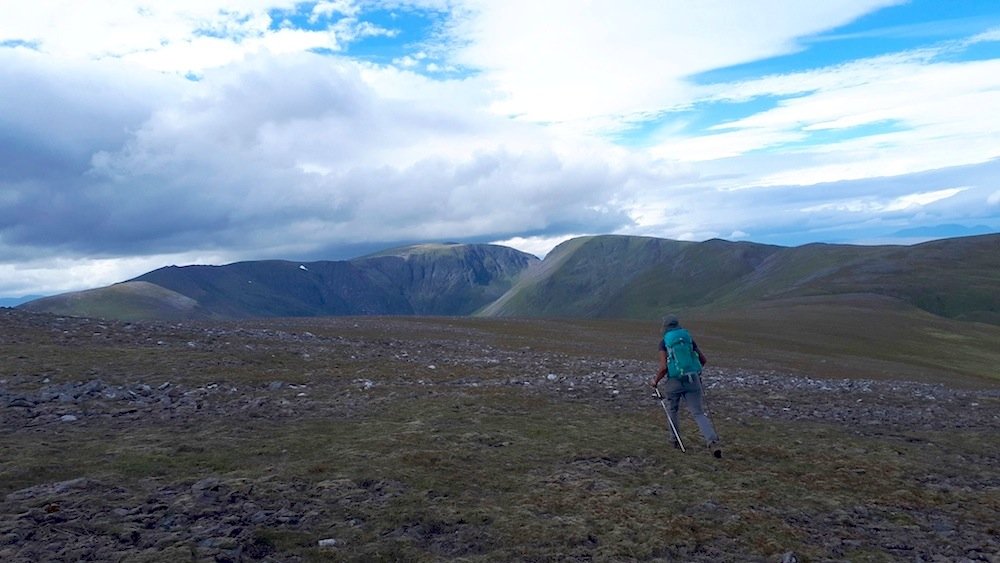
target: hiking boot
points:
(716, 449)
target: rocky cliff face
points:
(450, 279)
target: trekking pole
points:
(670, 422)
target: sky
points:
(141, 134)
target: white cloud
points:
(406, 62)
(875, 204)
(540, 246)
(729, 144)
(932, 115)
(61, 274)
(178, 36)
(106, 27)
(560, 61)
(921, 199)
(200, 53)
(327, 8)
(989, 35)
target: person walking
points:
(681, 363)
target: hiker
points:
(681, 361)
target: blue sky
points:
(140, 134)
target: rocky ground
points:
(91, 383)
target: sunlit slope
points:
(126, 301)
(626, 276)
(955, 278)
(629, 277)
(851, 336)
(638, 277)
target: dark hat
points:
(670, 322)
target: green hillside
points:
(638, 277)
(125, 301)
(583, 277)
(850, 336)
(955, 278)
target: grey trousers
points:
(690, 391)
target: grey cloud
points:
(62, 110)
(222, 164)
(54, 116)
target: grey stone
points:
(21, 403)
(94, 386)
(205, 486)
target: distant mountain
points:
(606, 276)
(631, 277)
(636, 277)
(129, 300)
(430, 279)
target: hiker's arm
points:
(701, 357)
(662, 371)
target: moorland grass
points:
(504, 474)
(500, 473)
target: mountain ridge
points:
(439, 279)
(601, 276)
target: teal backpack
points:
(682, 360)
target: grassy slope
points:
(126, 301)
(635, 277)
(955, 278)
(700, 274)
(520, 295)
(583, 277)
(855, 336)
